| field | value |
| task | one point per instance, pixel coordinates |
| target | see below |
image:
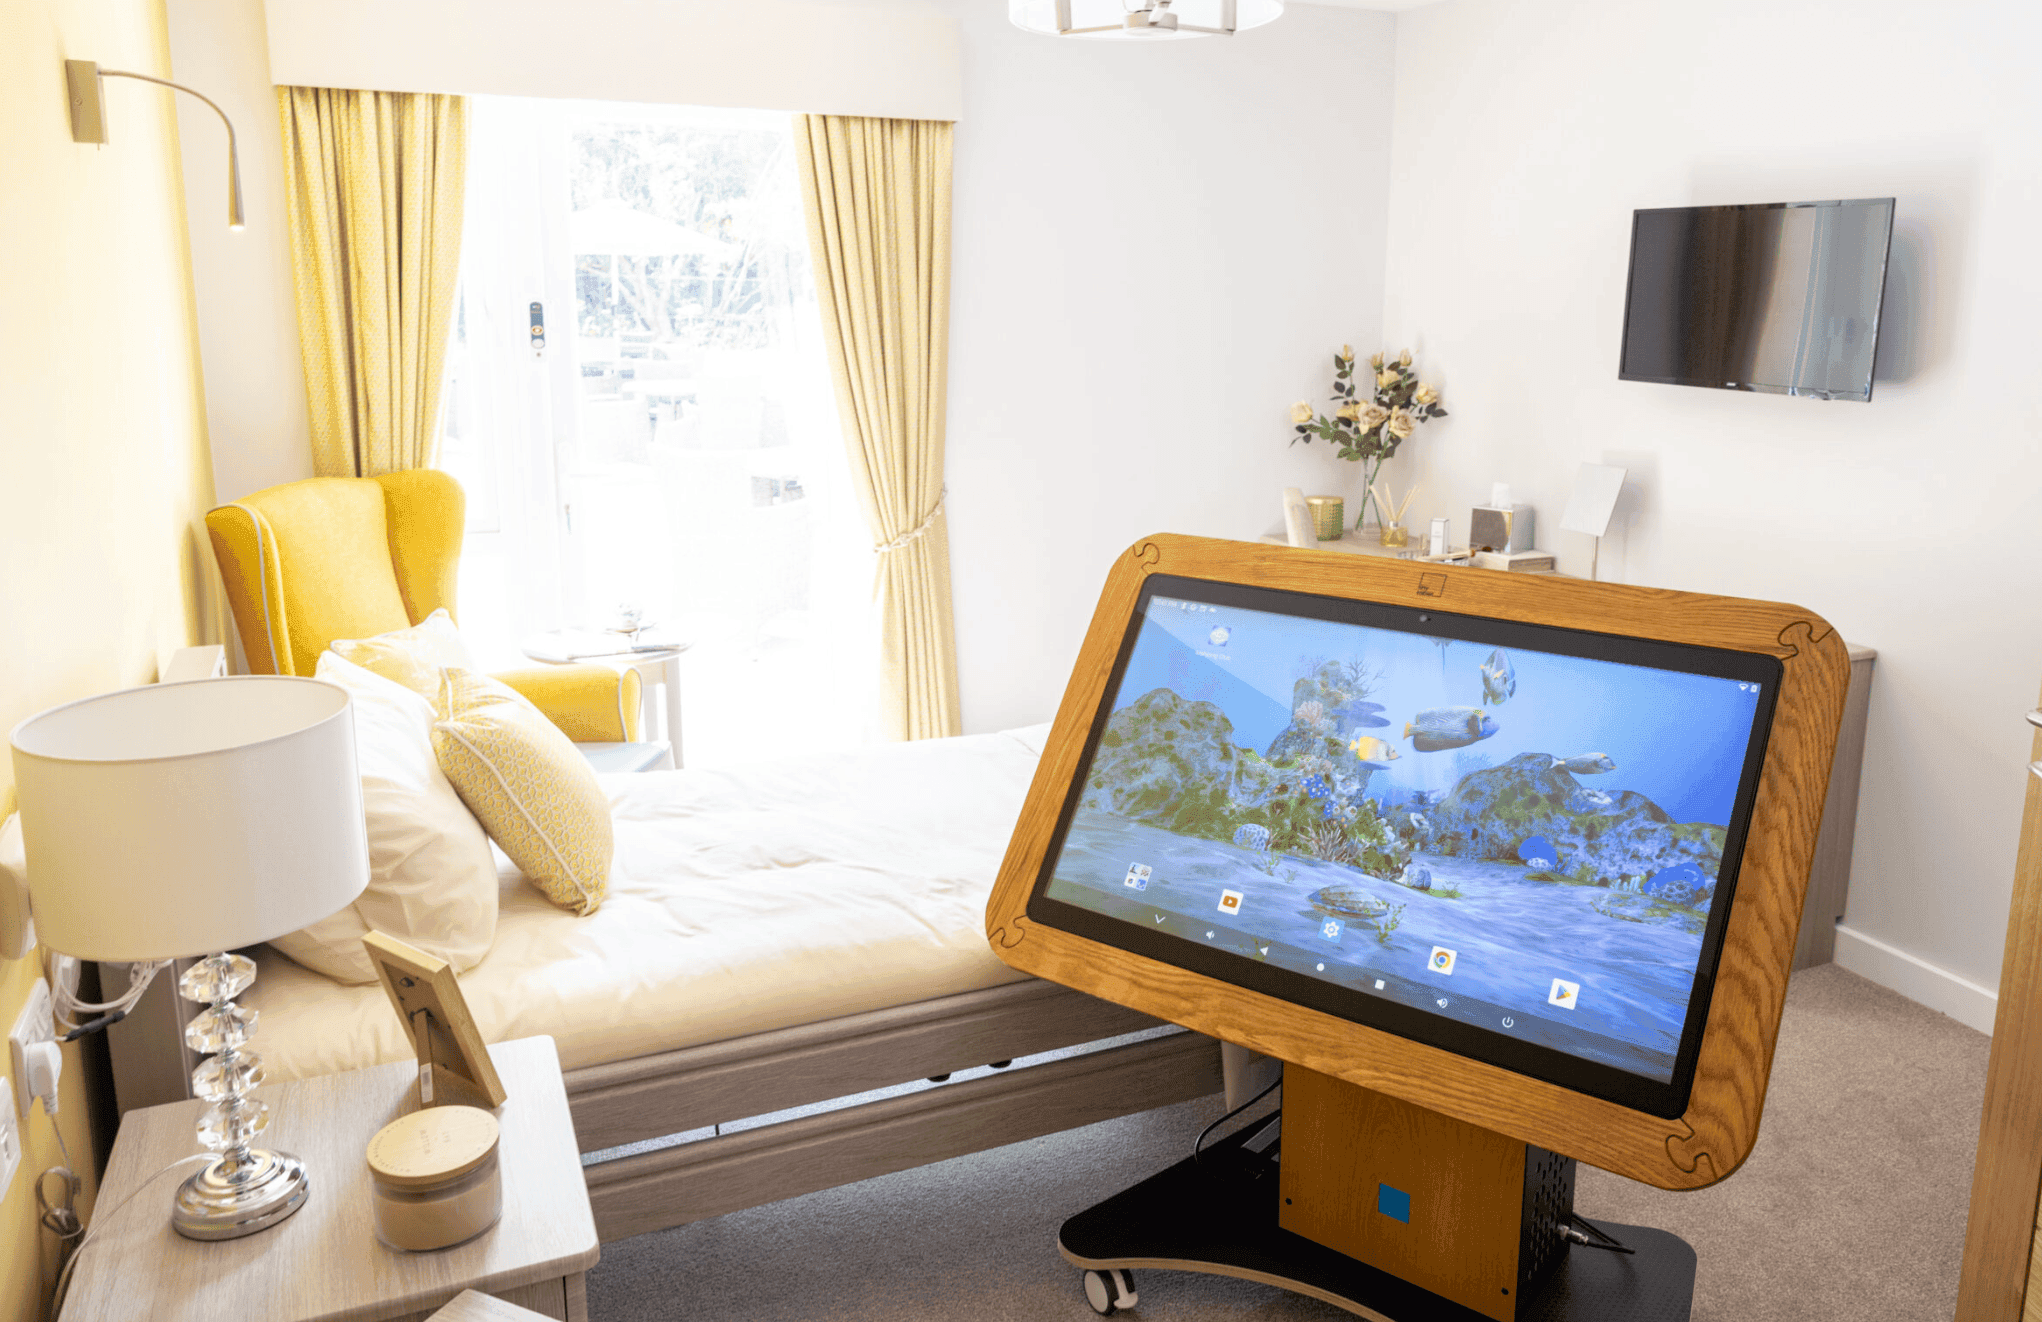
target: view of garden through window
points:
(639, 405)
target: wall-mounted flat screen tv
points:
(1782, 297)
(1513, 842)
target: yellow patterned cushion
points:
(411, 657)
(531, 790)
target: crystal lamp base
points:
(229, 1198)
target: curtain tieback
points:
(935, 513)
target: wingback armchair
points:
(351, 557)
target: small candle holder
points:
(1329, 516)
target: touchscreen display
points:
(1480, 833)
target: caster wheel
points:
(1110, 1291)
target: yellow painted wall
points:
(104, 471)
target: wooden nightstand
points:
(325, 1262)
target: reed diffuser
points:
(1391, 511)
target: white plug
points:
(42, 1067)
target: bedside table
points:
(325, 1262)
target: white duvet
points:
(741, 900)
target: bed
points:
(776, 936)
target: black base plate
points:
(1217, 1213)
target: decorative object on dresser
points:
(1329, 516)
(330, 1265)
(1369, 432)
(428, 1000)
(1596, 488)
(1395, 534)
(1501, 525)
(246, 794)
(1297, 519)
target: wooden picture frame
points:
(428, 1000)
(1716, 1132)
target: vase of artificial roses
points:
(1367, 429)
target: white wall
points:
(248, 316)
(1156, 251)
(1527, 133)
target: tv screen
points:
(1781, 297)
(1510, 841)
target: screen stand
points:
(1387, 1210)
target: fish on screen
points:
(1525, 842)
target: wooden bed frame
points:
(633, 1101)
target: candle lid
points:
(431, 1147)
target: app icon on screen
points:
(1219, 635)
(1330, 929)
(1564, 994)
(1230, 902)
(1379, 984)
(1138, 876)
(1442, 960)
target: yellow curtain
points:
(877, 195)
(374, 181)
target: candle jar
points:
(435, 1181)
(1329, 516)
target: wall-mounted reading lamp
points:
(88, 118)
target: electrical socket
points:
(10, 1137)
(36, 1023)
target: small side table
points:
(325, 1263)
(655, 666)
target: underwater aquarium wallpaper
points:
(1518, 840)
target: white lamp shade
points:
(1104, 18)
(176, 820)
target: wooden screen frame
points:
(1715, 1134)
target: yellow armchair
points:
(351, 557)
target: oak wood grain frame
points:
(2000, 1238)
(1715, 1134)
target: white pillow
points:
(412, 657)
(432, 878)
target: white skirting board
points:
(1916, 978)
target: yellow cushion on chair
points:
(529, 787)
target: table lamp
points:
(176, 821)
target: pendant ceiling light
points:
(1142, 20)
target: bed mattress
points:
(741, 900)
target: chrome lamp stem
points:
(245, 1188)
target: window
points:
(640, 409)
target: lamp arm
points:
(234, 220)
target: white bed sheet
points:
(741, 900)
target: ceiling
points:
(1379, 6)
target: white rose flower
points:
(1402, 424)
(1349, 412)
(1347, 353)
(1374, 416)
(1404, 358)
(1386, 378)
(1375, 360)
(1426, 394)
(1301, 413)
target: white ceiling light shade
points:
(1142, 20)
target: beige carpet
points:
(1851, 1207)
